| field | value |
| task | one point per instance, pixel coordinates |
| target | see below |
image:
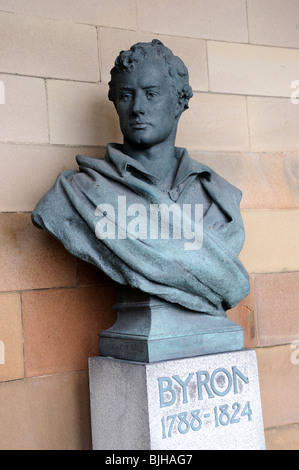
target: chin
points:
(140, 141)
(141, 144)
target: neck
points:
(159, 160)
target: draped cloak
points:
(207, 280)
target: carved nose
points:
(138, 105)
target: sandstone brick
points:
(214, 122)
(113, 13)
(273, 124)
(46, 413)
(267, 180)
(249, 70)
(23, 117)
(271, 243)
(277, 297)
(11, 338)
(61, 327)
(31, 258)
(28, 171)
(47, 48)
(273, 22)
(207, 19)
(279, 382)
(191, 51)
(283, 438)
(81, 114)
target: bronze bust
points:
(148, 215)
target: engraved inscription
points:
(201, 385)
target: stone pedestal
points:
(206, 402)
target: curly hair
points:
(177, 71)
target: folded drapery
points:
(104, 214)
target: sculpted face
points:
(147, 107)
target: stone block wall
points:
(55, 59)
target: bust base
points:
(149, 329)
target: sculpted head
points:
(175, 70)
(150, 89)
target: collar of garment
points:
(187, 166)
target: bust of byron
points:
(147, 214)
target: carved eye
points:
(151, 95)
(126, 97)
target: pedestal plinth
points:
(206, 402)
(149, 329)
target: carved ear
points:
(180, 106)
